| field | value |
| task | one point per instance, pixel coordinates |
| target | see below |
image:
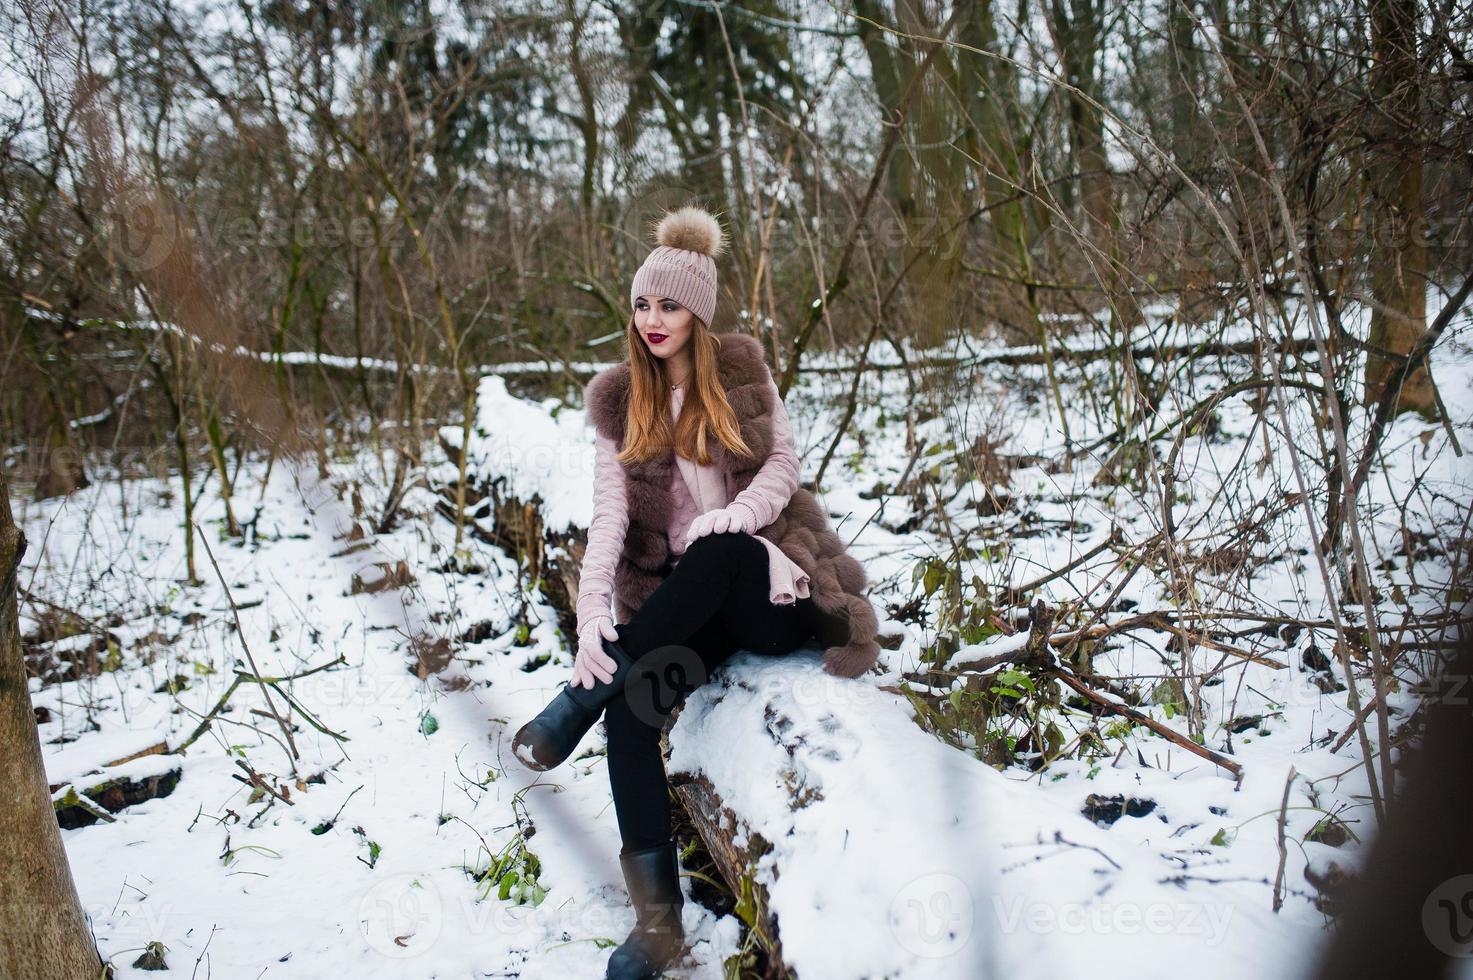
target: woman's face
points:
(664, 325)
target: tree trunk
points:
(1079, 29)
(1186, 70)
(1398, 221)
(889, 81)
(926, 177)
(989, 91)
(44, 933)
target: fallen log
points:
(735, 848)
(108, 795)
(1018, 356)
(820, 801)
(499, 517)
(736, 856)
(744, 803)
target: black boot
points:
(653, 878)
(545, 741)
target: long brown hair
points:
(704, 413)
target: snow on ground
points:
(912, 858)
(282, 895)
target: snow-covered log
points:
(529, 478)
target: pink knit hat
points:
(682, 267)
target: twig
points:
(1169, 734)
(240, 632)
(205, 721)
(1159, 620)
(1114, 539)
(257, 781)
(240, 677)
(1283, 852)
(1059, 838)
(1360, 719)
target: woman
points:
(706, 542)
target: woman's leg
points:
(633, 720)
(714, 601)
(721, 578)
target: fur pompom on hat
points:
(691, 229)
(682, 266)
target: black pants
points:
(713, 602)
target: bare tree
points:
(45, 935)
(1398, 220)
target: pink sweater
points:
(694, 489)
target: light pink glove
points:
(737, 517)
(592, 662)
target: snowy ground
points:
(918, 860)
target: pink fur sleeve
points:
(605, 534)
(774, 484)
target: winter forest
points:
(1127, 347)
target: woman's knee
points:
(725, 546)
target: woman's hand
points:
(592, 662)
(720, 521)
